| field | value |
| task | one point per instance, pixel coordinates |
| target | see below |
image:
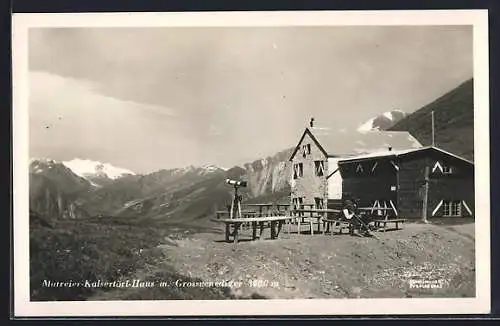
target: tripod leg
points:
(239, 209)
(236, 233)
(232, 210)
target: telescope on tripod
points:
(236, 203)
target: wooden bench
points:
(335, 223)
(276, 224)
(384, 222)
(386, 217)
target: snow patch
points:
(85, 167)
(210, 168)
(92, 183)
(388, 115)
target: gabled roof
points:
(307, 131)
(398, 153)
(340, 143)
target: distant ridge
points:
(454, 121)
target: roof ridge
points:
(402, 152)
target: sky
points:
(163, 97)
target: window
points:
(319, 168)
(452, 208)
(447, 169)
(297, 202)
(318, 202)
(306, 149)
(298, 170)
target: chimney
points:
(311, 122)
(390, 148)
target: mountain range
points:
(83, 188)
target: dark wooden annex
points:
(415, 182)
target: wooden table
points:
(275, 221)
(244, 212)
(261, 206)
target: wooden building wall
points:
(457, 186)
(411, 177)
(370, 184)
(309, 185)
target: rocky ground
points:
(323, 266)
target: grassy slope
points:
(454, 121)
(106, 250)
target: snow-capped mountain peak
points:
(201, 170)
(388, 115)
(383, 121)
(89, 168)
(212, 168)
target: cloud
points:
(176, 96)
(215, 131)
(68, 119)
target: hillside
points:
(55, 191)
(89, 250)
(192, 195)
(454, 121)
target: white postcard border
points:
(480, 304)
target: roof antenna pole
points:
(432, 114)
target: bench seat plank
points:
(252, 219)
